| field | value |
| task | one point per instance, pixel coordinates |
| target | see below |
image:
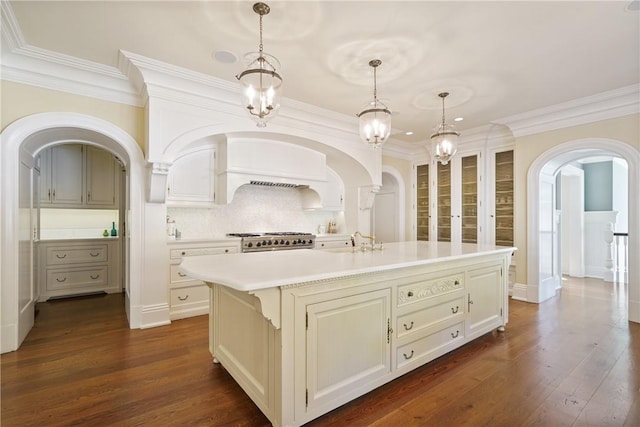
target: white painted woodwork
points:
(332, 193)
(27, 293)
(191, 178)
(78, 176)
(71, 267)
(189, 297)
(596, 250)
(102, 178)
(306, 331)
(62, 177)
(333, 241)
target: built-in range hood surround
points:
(256, 161)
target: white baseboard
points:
(519, 292)
(152, 316)
(8, 338)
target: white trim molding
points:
(607, 105)
(548, 163)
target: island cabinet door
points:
(484, 300)
(348, 348)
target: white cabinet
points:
(78, 176)
(333, 241)
(189, 297)
(301, 350)
(457, 199)
(191, 179)
(347, 346)
(72, 267)
(62, 176)
(333, 192)
(102, 173)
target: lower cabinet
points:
(301, 350)
(74, 267)
(189, 297)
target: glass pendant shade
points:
(261, 87)
(444, 142)
(375, 124)
(261, 83)
(375, 119)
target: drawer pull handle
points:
(455, 335)
(94, 255)
(409, 356)
(63, 280)
(410, 293)
(455, 310)
(181, 274)
(456, 283)
(226, 251)
(61, 257)
(408, 328)
(94, 277)
(183, 299)
(184, 253)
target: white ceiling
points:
(496, 59)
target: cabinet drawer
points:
(416, 321)
(182, 252)
(430, 288)
(77, 278)
(76, 255)
(189, 295)
(431, 346)
(177, 276)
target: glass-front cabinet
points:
(444, 202)
(504, 198)
(422, 202)
(469, 190)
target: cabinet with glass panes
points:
(469, 198)
(504, 198)
(422, 202)
(444, 202)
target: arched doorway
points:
(21, 141)
(546, 165)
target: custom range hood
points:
(265, 162)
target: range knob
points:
(286, 243)
(249, 245)
(282, 242)
(275, 242)
(264, 243)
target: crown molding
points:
(606, 105)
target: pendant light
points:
(375, 120)
(444, 143)
(261, 83)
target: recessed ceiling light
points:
(458, 119)
(224, 56)
(409, 133)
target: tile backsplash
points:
(253, 209)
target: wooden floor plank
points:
(573, 360)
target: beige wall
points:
(529, 148)
(404, 167)
(18, 101)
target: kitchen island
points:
(305, 331)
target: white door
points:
(548, 241)
(26, 288)
(572, 221)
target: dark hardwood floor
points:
(571, 361)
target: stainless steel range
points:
(276, 241)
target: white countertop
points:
(261, 270)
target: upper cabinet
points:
(333, 192)
(191, 179)
(78, 176)
(503, 199)
(423, 218)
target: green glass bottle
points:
(114, 232)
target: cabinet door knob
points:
(410, 293)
